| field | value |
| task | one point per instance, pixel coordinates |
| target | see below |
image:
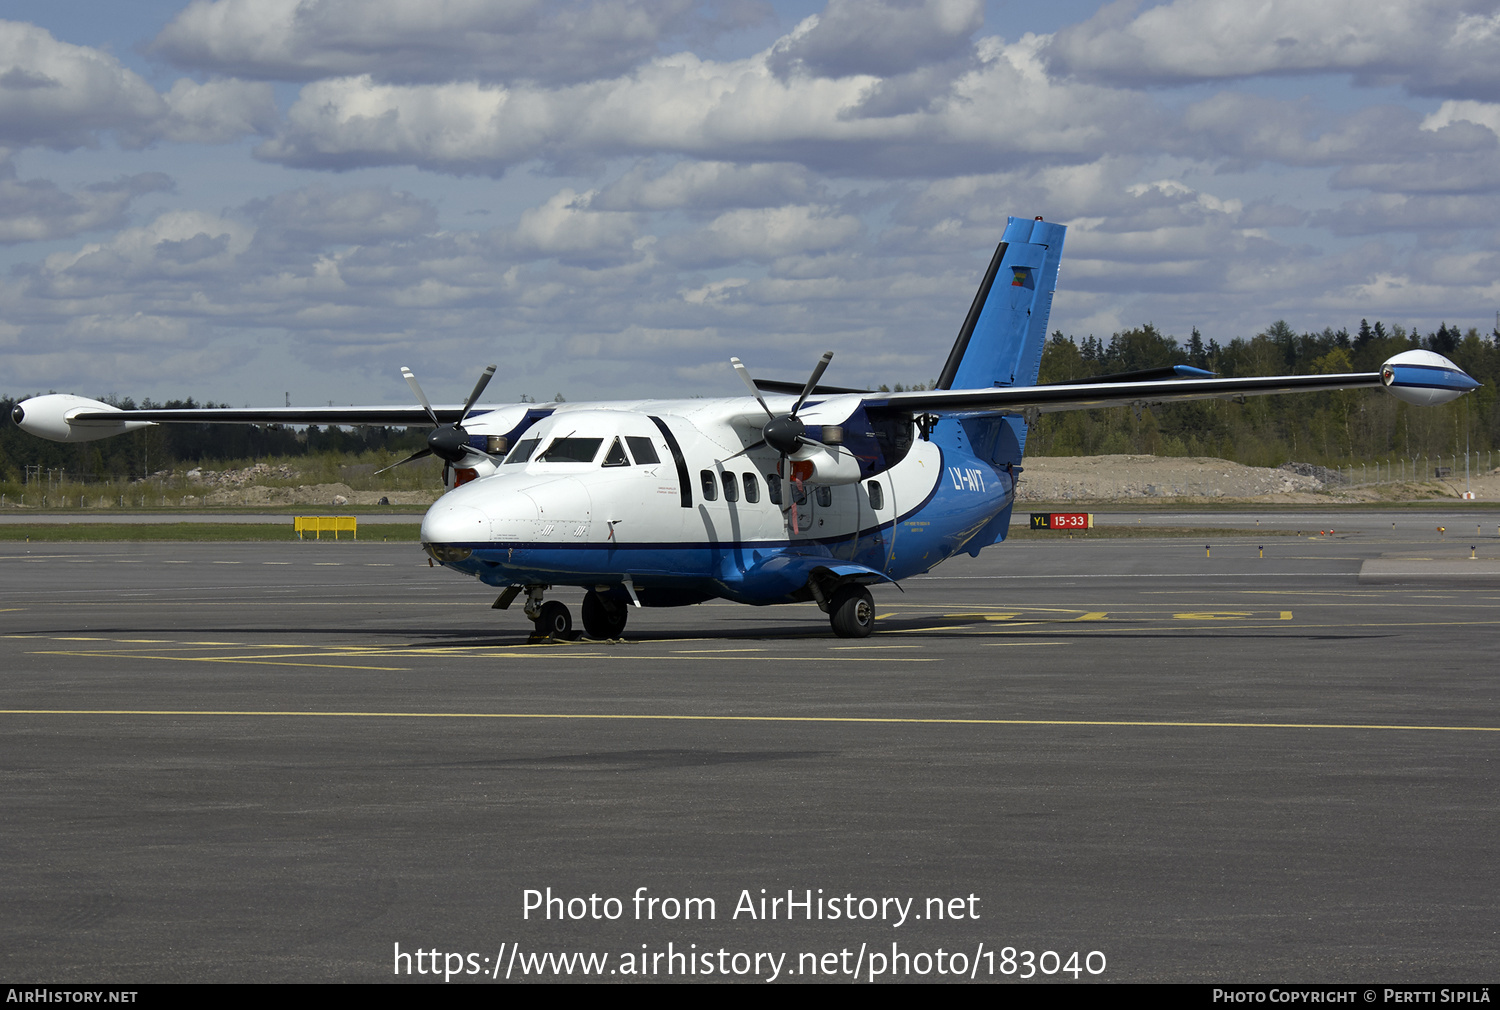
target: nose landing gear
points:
(552, 619)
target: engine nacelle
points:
(52, 417)
(833, 465)
(1425, 378)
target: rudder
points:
(1005, 331)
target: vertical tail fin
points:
(1002, 338)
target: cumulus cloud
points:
(568, 227)
(1005, 109)
(55, 94)
(881, 38)
(217, 111)
(317, 216)
(763, 235)
(429, 40)
(1433, 47)
(59, 95)
(35, 210)
(707, 185)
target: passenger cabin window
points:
(571, 450)
(877, 496)
(642, 449)
(616, 455)
(752, 488)
(825, 497)
(731, 488)
(773, 488)
(710, 486)
(523, 450)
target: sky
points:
(252, 200)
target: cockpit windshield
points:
(571, 450)
(523, 450)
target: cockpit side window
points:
(642, 449)
(616, 455)
(571, 450)
(523, 450)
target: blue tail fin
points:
(1002, 338)
(1001, 345)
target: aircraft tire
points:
(602, 620)
(852, 612)
(556, 621)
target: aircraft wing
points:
(394, 416)
(1045, 399)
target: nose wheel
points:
(554, 621)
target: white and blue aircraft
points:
(795, 493)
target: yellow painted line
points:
(1286, 615)
(845, 648)
(824, 719)
(246, 661)
(79, 638)
(685, 652)
(1101, 615)
(144, 641)
(1213, 615)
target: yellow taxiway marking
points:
(716, 652)
(241, 660)
(875, 720)
(845, 648)
(1213, 615)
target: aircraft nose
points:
(447, 523)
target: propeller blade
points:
(416, 455)
(411, 380)
(739, 366)
(484, 380)
(749, 448)
(818, 370)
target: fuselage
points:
(653, 494)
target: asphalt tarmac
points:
(306, 762)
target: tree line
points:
(1324, 428)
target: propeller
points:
(448, 442)
(785, 432)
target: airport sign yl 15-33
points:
(1062, 520)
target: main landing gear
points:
(852, 612)
(602, 617)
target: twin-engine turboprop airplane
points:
(793, 494)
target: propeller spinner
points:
(785, 433)
(448, 442)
